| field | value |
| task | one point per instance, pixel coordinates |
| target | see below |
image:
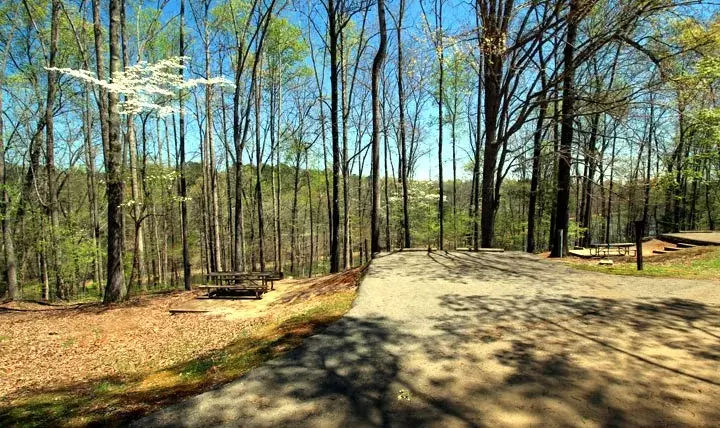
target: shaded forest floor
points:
(91, 364)
(691, 263)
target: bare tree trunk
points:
(344, 113)
(588, 190)
(212, 171)
(535, 178)
(388, 242)
(376, 120)
(116, 289)
(293, 214)
(651, 135)
(566, 137)
(138, 265)
(401, 125)
(441, 184)
(55, 253)
(312, 235)
(183, 179)
(7, 225)
(476, 159)
(277, 103)
(610, 189)
(335, 221)
(258, 172)
(99, 58)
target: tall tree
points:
(376, 70)
(560, 239)
(183, 179)
(116, 289)
(401, 125)
(131, 146)
(50, 150)
(7, 225)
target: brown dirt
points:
(48, 346)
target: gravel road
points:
(489, 339)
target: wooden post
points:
(639, 230)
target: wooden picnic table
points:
(622, 248)
(256, 282)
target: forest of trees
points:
(146, 142)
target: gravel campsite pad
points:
(470, 339)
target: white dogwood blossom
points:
(146, 86)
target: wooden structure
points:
(228, 282)
(620, 249)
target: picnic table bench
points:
(256, 282)
(622, 249)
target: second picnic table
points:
(256, 282)
(623, 248)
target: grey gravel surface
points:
(472, 339)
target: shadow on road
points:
(548, 358)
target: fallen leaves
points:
(44, 348)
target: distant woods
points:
(146, 143)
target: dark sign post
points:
(639, 230)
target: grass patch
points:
(694, 265)
(114, 401)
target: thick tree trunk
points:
(376, 123)
(335, 221)
(566, 134)
(116, 289)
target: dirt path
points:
(466, 339)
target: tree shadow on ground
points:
(343, 374)
(541, 358)
(567, 360)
